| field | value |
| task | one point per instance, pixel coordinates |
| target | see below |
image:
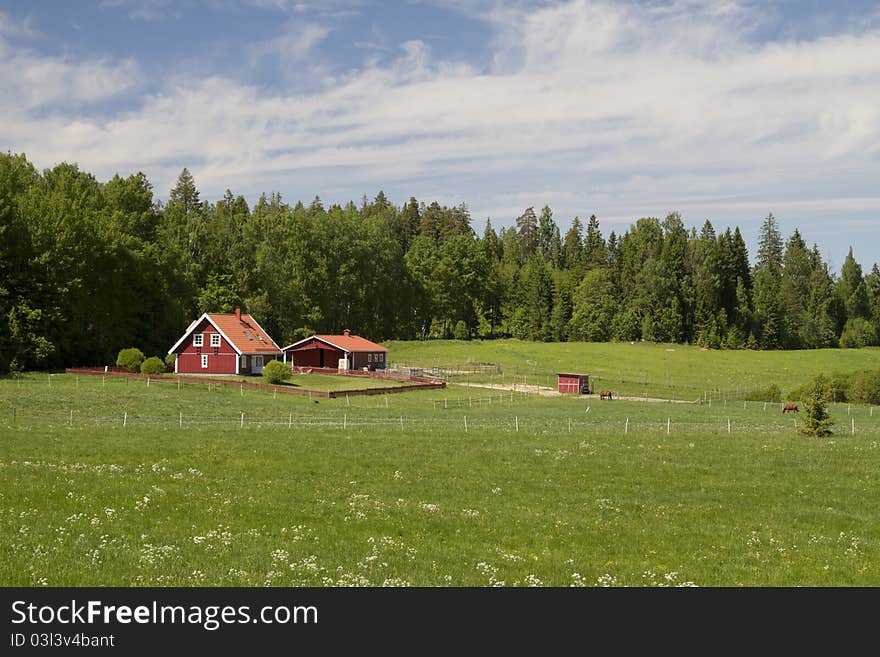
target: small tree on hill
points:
(130, 359)
(276, 372)
(817, 421)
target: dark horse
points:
(605, 394)
(791, 407)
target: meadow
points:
(120, 483)
(661, 370)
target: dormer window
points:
(198, 339)
(215, 339)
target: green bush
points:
(130, 359)
(153, 365)
(461, 331)
(865, 388)
(276, 372)
(838, 389)
(858, 333)
(771, 393)
(170, 359)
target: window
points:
(215, 339)
(258, 362)
(369, 358)
(204, 361)
(243, 362)
(198, 339)
(380, 357)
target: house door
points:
(258, 364)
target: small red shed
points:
(344, 351)
(573, 383)
(224, 344)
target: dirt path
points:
(550, 392)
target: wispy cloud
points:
(616, 106)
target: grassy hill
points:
(666, 369)
(462, 486)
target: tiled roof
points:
(345, 342)
(247, 336)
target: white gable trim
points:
(315, 337)
(193, 326)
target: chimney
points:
(238, 313)
(346, 332)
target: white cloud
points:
(617, 107)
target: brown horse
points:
(790, 407)
(605, 394)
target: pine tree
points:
(851, 289)
(573, 246)
(595, 253)
(796, 276)
(769, 311)
(527, 228)
(817, 421)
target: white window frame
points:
(198, 339)
(381, 357)
(243, 361)
(204, 361)
(369, 358)
(257, 363)
(215, 339)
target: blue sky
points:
(721, 109)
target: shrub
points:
(865, 388)
(858, 333)
(771, 393)
(461, 331)
(153, 365)
(817, 422)
(130, 359)
(170, 360)
(276, 372)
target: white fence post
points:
(626, 427)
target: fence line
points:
(262, 387)
(25, 419)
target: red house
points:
(224, 344)
(345, 351)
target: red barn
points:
(224, 344)
(344, 351)
(573, 383)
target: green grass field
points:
(220, 487)
(672, 370)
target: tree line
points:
(89, 267)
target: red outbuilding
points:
(573, 383)
(224, 344)
(345, 352)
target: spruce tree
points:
(817, 421)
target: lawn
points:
(461, 486)
(672, 370)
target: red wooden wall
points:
(221, 360)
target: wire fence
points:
(26, 418)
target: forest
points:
(90, 267)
